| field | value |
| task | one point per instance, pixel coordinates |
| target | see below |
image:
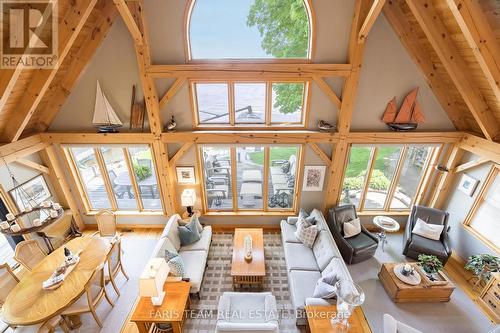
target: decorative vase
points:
(248, 247)
(349, 295)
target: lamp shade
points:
(188, 197)
(153, 278)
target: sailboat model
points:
(105, 118)
(408, 117)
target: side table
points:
(318, 320)
(386, 224)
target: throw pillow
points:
(285, 167)
(189, 233)
(306, 232)
(175, 263)
(352, 228)
(325, 287)
(306, 216)
(427, 230)
(194, 217)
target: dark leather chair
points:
(353, 249)
(413, 245)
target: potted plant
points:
(482, 265)
(431, 266)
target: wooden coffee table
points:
(318, 319)
(248, 272)
(401, 292)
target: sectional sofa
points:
(194, 255)
(305, 265)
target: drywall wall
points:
(458, 205)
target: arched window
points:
(249, 29)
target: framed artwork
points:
(185, 175)
(314, 177)
(35, 189)
(468, 184)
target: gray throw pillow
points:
(309, 219)
(194, 217)
(188, 234)
(175, 263)
(325, 287)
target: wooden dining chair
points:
(29, 253)
(46, 327)
(114, 263)
(95, 290)
(106, 223)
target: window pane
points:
(213, 105)
(355, 175)
(385, 165)
(283, 163)
(250, 177)
(411, 173)
(145, 176)
(91, 177)
(486, 221)
(119, 177)
(250, 102)
(218, 184)
(287, 100)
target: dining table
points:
(28, 303)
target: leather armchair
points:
(353, 249)
(413, 245)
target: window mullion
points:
(269, 101)
(234, 188)
(371, 165)
(395, 178)
(105, 177)
(265, 193)
(232, 112)
(131, 173)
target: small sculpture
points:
(172, 125)
(324, 126)
(248, 247)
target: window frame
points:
(77, 178)
(492, 175)
(310, 51)
(423, 183)
(265, 184)
(268, 124)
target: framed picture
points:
(34, 190)
(314, 177)
(468, 184)
(185, 175)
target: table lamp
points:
(152, 280)
(188, 198)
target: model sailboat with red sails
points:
(408, 117)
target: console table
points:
(318, 320)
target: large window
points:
(251, 104)
(250, 178)
(115, 177)
(384, 177)
(249, 29)
(483, 219)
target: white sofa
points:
(247, 312)
(391, 325)
(305, 265)
(194, 255)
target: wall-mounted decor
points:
(31, 193)
(409, 115)
(468, 185)
(185, 175)
(314, 177)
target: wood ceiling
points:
(455, 43)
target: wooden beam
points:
(59, 179)
(129, 21)
(33, 165)
(68, 30)
(185, 147)
(96, 138)
(336, 175)
(19, 149)
(481, 147)
(470, 165)
(260, 137)
(407, 34)
(328, 91)
(172, 91)
(435, 30)
(404, 137)
(166, 177)
(446, 179)
(258, 70)
(320, 153)
(481, 38)
(62, 89)
(374, 12)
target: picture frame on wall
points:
(185, 175)
(468, 184)
(314, 178)
(36, 189)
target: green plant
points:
(354, 183)
(142, 172)
(431, 264)
(482, 265)
(379, 181)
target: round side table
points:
(386, 224)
